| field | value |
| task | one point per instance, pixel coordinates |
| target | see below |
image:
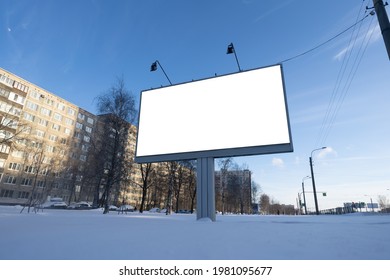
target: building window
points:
(53, 138)
(32, 106)
(10, 180)
(4, 149)
(35, 94)
(16, 98)
(84, 148)
(44, 171)
(28, 117)
(81, 116)
(5, 135)
(71, 112)
(20, 86)
(40, 184)
(83, 157)
(90, 120)
(6, 80)
(69, 121)
(60, 106)
(26, 182)
(88, 129)
(39, 133)
(6, 193)
(50, 149)
(4, 92)
(43, 122)
(29, 169)
(87, 139)
(9, 123)
(49, 102)
(23, 195)
(79, 125)
(45, 112)
(56, 127)
(67, 130)
(57, 117)
(14, 166)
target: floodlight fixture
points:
(230, 50)
(153, 68)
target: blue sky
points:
(338, 95)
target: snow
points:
(54, 234)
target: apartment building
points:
(45, 142)
(233, 191)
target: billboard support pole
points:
(205, 200)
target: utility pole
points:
(383, 22)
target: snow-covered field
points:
(90, 235)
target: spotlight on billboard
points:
(238, 114)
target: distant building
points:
(233, 191)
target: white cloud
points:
(278, 162)
(375, 32)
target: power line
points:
(327, 41)
(338, 96)
(340, 76)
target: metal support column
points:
(205, 200)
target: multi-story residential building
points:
(45, 142)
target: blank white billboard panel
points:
(232, 115)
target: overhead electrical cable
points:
(348, 81)
(324, 43)
(346, 57)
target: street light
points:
(312, 178)
(153, 68)
(303, 190)
(372, 204)
(230, 50)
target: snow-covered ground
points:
(90, 235)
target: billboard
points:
(238, 114)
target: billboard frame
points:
(223, 152)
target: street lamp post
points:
(372, 205)
(303, 190)
(312, 178)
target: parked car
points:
(127, 208)
(55, 203)
(184, 211)
(59, 205)
(80, 205)
(112, 208)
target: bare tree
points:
(256, 191)
(191, 182)
(117, 109)
(146, 171)
(224, 165)
(172, 167)
(264, 203)
(383, 202)
(12, 127)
